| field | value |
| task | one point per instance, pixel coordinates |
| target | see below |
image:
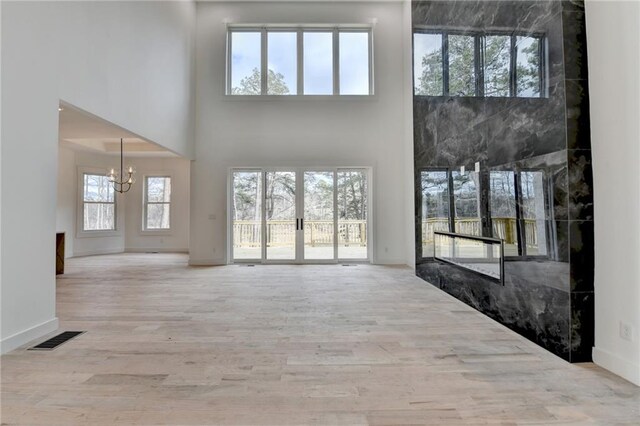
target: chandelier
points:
(121, 183)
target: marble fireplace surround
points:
(549, 301)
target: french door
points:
(299, 215)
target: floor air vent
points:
(346, 264)
(56, 341)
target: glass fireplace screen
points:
(481, 255)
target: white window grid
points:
(146, 203)
(299, 30)
(85, 202)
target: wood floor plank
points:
(289, 345)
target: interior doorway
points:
(299, 215)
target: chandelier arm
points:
(117, 180)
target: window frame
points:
(450, 203)
(299, 30)
(479, 60)
(229, 67)
(520, 219)
(485, 211)
(146, 202)
(452, 200)
(81, 232)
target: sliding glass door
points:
(319, 216)
(299, 215)
(246, 214)
(352, 207)
(280, 215)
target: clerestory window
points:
(448, 63)
(288, 61)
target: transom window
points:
(299, 61)
(157, 203)
(98, 203)
(447, 63)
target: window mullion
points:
(513, 66)
(519, 234)
(98, 202)
(336, 62)
(452, 203)
(263, 62)
(479, 64)
(300, 62)
(445, 64)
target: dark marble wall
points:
(548, 300)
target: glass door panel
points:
(247, 215)
(318, 226)
(503, 205)
(435, 207)
(466, 199)
(298, 215)
(280, 215)
(533, 212)
(352, 187)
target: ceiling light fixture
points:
(119, 182)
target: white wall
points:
(127, 62)
(129, 236)
(613, 42)
(66, 200)
(299, 132)
(71, 165)
(177, 238)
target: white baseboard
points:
(207, 262)
(15, 341)
(390, 262)
(218, 262)
(623, 368)
(156, 249)
(97, 252)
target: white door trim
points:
(299, 250)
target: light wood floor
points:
(170, 344)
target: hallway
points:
(327, 344)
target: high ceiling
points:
(82, 131)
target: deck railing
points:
(503, 228)
(317, 233)
(247, 233)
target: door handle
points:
(297, 224)
(301, 224)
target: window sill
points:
(483, 97)
(99, 234)
(292, 98)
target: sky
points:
(245, 55)
(424, 44)
(318, 60)
(282, 55)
